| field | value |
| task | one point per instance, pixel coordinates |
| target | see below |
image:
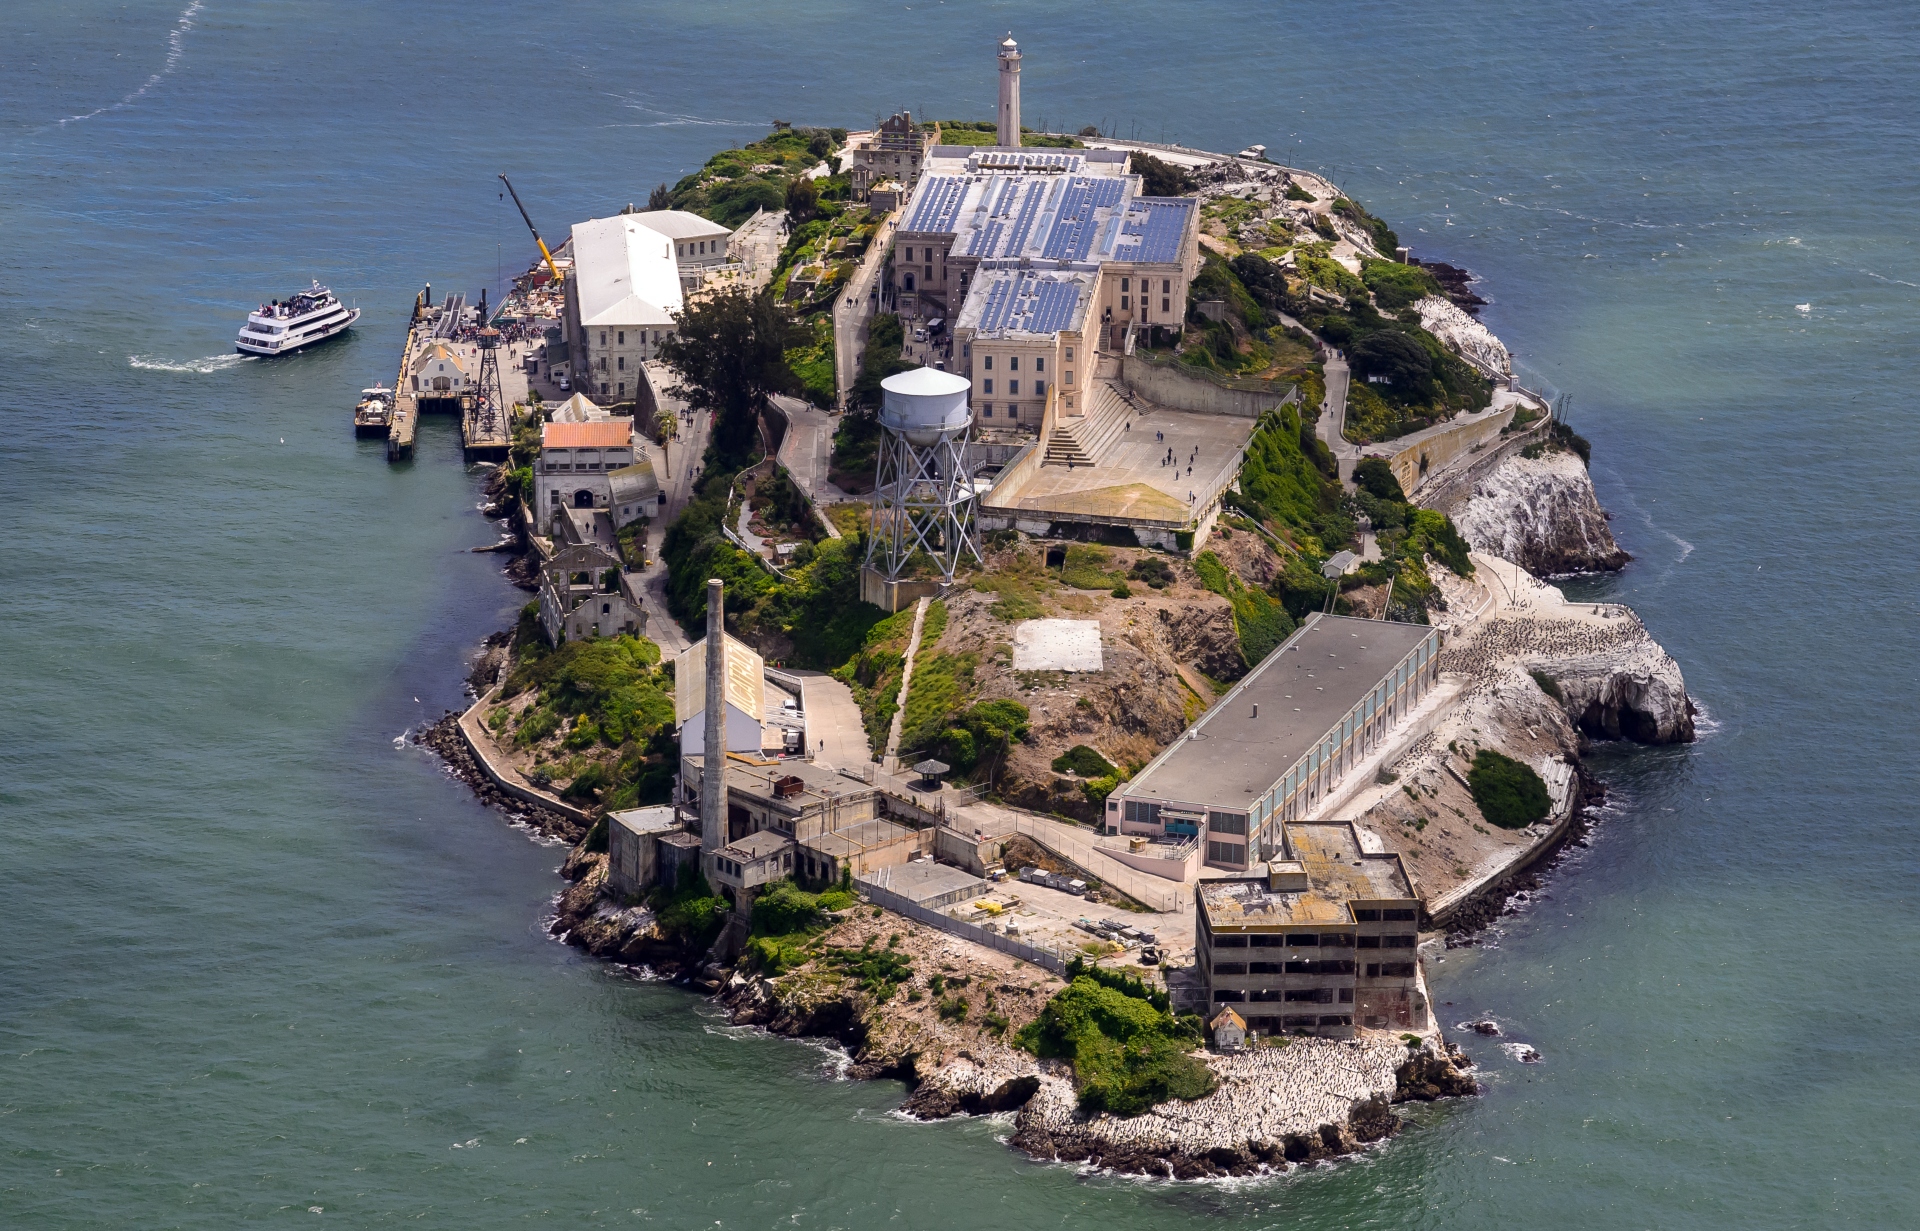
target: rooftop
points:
(1336, 865)
(756, 846)
(923, 881)
(746, 686)
(614, 433)
(1153, 228)
(635, 482)
(1229, 757)
(846, 842)
(625, 273)
(1007, 303)
(817, 782)
(1236, 904)
(646, 820)
(678, 224)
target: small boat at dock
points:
(374, 412)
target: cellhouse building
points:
(1289, 732)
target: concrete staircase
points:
(1079, 439)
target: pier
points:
(453, 363)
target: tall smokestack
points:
(713, 773)
(1010, 92)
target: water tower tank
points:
(925, 405)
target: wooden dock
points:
(483, 437)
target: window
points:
(1336, 940)
(1223, 997)
(1013, 388)
(986, 386)
(622, 364)
(986, 362)
(1310, 995)
(1166, 285)
(603, 337)
(1230, 942)
(1397, 970)
(1039, 388)
(1229, 968)
(1226, 852)
(1301, 968)
(1166, 305)
(986, 410)
(606, 608)
(1126, 284)
(621, 337)
(1399, 916)
(907, 283)
(1040, 363)
(1368, 942)
(1123, 303)
(1013, 412)
(1346, 997)
(1069, 378)
(623, 388)
(1400, 942)
(1013, 363)
(1144, 813)
(1226, 822)
(1303, 938)
(1336, 1019)
(1268, 941)
(1263, 968)
(909, 254)
(1069, 354)
(1367, 916)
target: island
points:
(1070, 618)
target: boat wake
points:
(176, 48)
(212, 363)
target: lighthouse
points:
(1010, 92)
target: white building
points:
(631, 274)
(574, 462)
(746, 694)
(439, 371)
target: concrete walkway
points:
(674, 464)
(807, 451)
(1333, 417)
(856, 307)
(834, 722)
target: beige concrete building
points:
(1320, 941)
(894, 152)
(574, 461)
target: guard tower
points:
(923, 500)
(1010, 92)
(489, 403)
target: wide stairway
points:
(1079, 439)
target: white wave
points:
(212, 363)
(176, 49)
(1895, 281)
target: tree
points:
(1401, 360)
(1507, 791)
(803, 200)
(1376, 476)
(730, 351)
(660, 198)
(1159, 178)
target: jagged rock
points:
(1541, 513)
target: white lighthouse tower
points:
(1010, 92)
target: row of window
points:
(621, 334)
(1226, 852)
(1323, 967)
(699, 248)
(1013, 387)
(1013, 362)
(614, 464)
(986, 410)
(1299, 1021)
(1146, 285)
(1307, 940)
(1401, 915)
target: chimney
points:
(713, 773)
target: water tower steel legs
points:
(923, 502)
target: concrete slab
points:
(1056, 645)
(1133, 478)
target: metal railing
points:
(1049, 959)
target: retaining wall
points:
(965, 931)
(1176, 390)
(506, 777)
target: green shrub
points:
(1083, 761)
(878, 972)
(1127, 1054)
(1374, 476)
(953, 1009)
(1508, 792)
(1396, 286)
(1547, 683)
(1153, 570)
(689, 912)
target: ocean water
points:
(259, 959)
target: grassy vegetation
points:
(1087, 567)
(878, 972)
(728, 189)
(1259, 619)
(812, 360)
(615, 703)
(856, 442)
(1395, 286)
(1547, 683)
(1384, 240)
(1508, 792)
(689, 912)
(785, 918)
(978, 738)
(1285, 483)
(1083, 761)
(818, 607)
(986, 132)
(873, 672)
(1127, 1053)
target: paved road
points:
(854, 312)
(834, 724)
(1333, 416)
(674, 464)
(807, 450)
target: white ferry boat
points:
(282, 327)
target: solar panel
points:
(939, 201)
(1153, 230)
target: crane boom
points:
(551, 267)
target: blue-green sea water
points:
(259, 964)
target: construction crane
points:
(551, 267)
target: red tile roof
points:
(598, 434)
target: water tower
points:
(489, 406)
(923, 501)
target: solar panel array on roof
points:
(1074, 222)
(940, 198)
(1153, 229)
(1021, 160)
(1030, 303)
